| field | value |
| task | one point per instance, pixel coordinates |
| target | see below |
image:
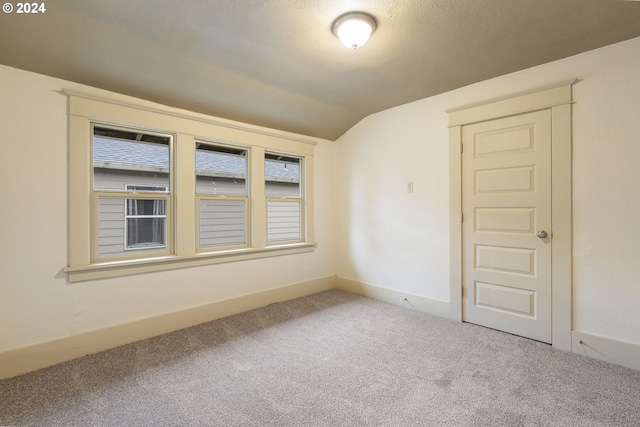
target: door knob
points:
(541, 234)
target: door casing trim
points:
(558, 100)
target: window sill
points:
(146, 265)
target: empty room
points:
(320, 212)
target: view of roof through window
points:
(153, 156)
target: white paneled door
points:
(506, 204)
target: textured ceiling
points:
(276, 63)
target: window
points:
(164, 189)
(145, 220)
(221, 195)
(127, 226)
(283, 190)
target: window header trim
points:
(169, 111)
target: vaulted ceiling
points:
(276, 63)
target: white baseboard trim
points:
(395, 297)
(36, 356)
(613, 351)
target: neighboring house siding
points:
(282, 189)
(222, 222)
(218, 186)
(111, 230)
(230, 186)
(114, 179)
(111, 211)
(283, 220)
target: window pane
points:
(146, 223)
(283, 220)
(126, 157)
(222, 222)
(221, 170)
(146, 232)
(282, 176)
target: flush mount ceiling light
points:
(354, 28)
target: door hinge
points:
(461, 148)
(461, 217)
(462, 291)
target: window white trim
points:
(186, 129)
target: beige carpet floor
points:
(329, 359)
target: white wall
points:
(382, 236)
(387, 236)
(36, 302)
(394, 239)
